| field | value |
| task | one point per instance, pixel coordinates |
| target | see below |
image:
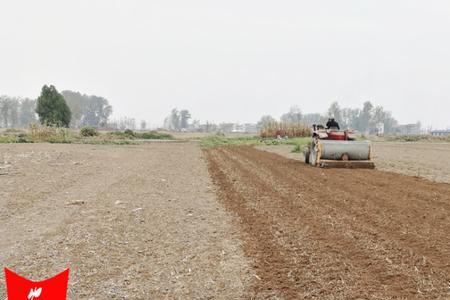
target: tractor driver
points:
(332, 124)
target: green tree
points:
(52, 108)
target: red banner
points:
(19, 288)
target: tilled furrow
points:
(405, 255)
(323, 261)
(329, 247)
(371, 217)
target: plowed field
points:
(335, 234)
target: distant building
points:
(408, 129)
(445, 132)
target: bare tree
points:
(184, 119)
(143, 125)
(335, 112)
(266, 119)
(293, 116)
(27, 112)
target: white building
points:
(445, 132)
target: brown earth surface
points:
(144, 222)
(426, 160)
(132, 222)
(335, 234)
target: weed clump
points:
(129, 132)
(88, 131)
(154, 135)
(148, 135)
(51, 134)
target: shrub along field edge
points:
(87, 135)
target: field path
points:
(335, 234)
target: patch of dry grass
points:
(275, 129)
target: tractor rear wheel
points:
(307, 153)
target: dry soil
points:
(131, 222)
(335, 234)
(147, 222)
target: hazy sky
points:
(233, 60)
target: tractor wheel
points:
(307, 153)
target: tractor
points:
(332, 147)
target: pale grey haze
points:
(233, 60)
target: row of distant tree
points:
(74, 109)
(178, 120)
(368, 119)
(87, 110)
(51, 107)
(17, 112)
